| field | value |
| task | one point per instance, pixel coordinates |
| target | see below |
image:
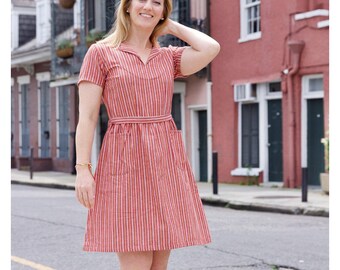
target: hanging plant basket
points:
(64, 53)
(67, 3)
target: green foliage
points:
(325, 142)
(94, 36)
(65, 43)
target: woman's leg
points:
(160, 259)
(141, 260)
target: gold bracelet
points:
(89, 165)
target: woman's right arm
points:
(89, 104)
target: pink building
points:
(270, 91)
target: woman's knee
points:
(135, 260)
(160, 259)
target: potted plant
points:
(65, 48)
(324, 177)
(93, 36)
(67, 3)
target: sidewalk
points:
(256, 198)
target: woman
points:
(143, 200)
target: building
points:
(44, 90)
(270, 90)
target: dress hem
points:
(88, 248)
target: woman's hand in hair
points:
(203, 49)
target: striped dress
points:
(146, 197)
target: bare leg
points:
(141, 260)
(160, 259)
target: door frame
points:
(179, 88)
(194, 121)
(305, 95)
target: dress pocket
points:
(178, 149)
(119, 160)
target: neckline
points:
(127, 48)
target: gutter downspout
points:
(296, 47)
(209, 106)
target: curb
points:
(219, 202)
(237, 205)
(45, 185)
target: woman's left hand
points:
(165, 28)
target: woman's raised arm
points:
(202, 51)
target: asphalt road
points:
(48, 229)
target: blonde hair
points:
(121, 27)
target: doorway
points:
(275, 159)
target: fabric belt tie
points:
(139, 119)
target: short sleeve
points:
(92, 68)
(176, 56)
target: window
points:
(315, 84)
(180, 13)
(253, 16)
(63, 122)
(250, 20)
(44, 119)
(250, 135)
(275, 87)
(110, 8)
(27, 28)
(25, 134)
(90, 14)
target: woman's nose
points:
(148, 4)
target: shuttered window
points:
(45, 110)
(25, 134)
(63, 122)
(250, 135)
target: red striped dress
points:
(146, 197)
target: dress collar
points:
(126, 48)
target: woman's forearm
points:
(196, 39)
(84, 140)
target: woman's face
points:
(146, 13)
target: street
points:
(48, 229)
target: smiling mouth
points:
(146, 15)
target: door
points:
(203, 145)
(176, 110)
(45, 119)
(275, 160)
(315, 149)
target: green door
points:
(315, 131)
(275, 160)
(203, 145)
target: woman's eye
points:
(157, 2)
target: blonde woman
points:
(142, 199)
